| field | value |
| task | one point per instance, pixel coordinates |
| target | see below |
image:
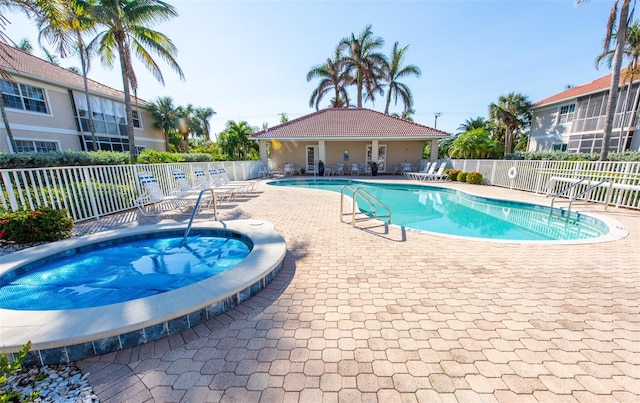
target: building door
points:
(382, 157)
(312, 158)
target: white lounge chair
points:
(438, 175)
(429, 169)
(251, 184)
(153, 197)
(218, 182)
(207, 183)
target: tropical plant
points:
(632, 52)
(474, 123)
(475, 143)
(126, 32)
(512, 113)
(200, 122)
(67, 37)
(405, 115)
(164, 116)
(25, 46)
(363, 63)
(620, 43)
(234, 140)
(392, 71)
(334, 78)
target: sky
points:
(248, 60)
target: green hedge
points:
(475, 178)
(571, 156)
(62, 159)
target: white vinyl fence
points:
(621, 186)
(93, 191)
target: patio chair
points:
(218, 182)
(250, 184)
(339, 169)
(218, 189)
(288, 170)
(439, 175)
(428, 168)
(183, 183)
(154, 197)
(355, 169)
(405, 167)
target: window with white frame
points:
(137, 123)
(566, 113)
(23, 96)
(35, 146)
(560, 147)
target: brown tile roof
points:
(349, 123)
(600, 84)
(21, 63)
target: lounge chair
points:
(220, 190)
(183, 183)
(250, 184)
(428, 169)
(438, 175)
(218, 182)
(154, 197)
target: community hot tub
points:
(60, 336)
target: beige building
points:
(573, 120)
(347, 136)
(47, 110)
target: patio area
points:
(372, 315)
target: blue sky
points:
(248, 60)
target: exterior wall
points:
(544, 130)
(295, 152)
(59, 124)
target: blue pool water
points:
(453, 212)
(120, 272)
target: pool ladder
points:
(574, 197)
(195, 211)
(369, 199)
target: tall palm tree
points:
(126, 32)
(632, 52)
(40, 9)
(164, 116)
(235, 140)
(405, 115)
(201, 116)
(511, 113)
(67, 37)
(363, 62)
(620, 41)
(392, 71)
(332, 77)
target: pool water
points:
(453, 212)
(121, 272)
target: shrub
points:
(42, 225)
(62, 158)
(156, 157)
(9, 368)
(462, 176)
(453, 174)
(474, 178)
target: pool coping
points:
(60, 337)
(617, 230)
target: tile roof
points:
(600, 84)
(349, 123)
(21, 63)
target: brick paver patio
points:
(373, 315)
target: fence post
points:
(8, 185)
(92, 195)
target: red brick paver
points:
(376, 314)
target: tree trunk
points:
(5, 120)
(621, 40)
(127, 100)
(83, 61)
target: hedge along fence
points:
(88, 192)
(551, 177)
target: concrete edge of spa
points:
(64, 336)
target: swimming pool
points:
(456, 213)
(120, 272)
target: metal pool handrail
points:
(195, 211)
(367, 197)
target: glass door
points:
(382, 157)
(312, 157)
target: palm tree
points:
(332, 77)
(474, 123)
(631, 51)
(67, 37)
(234, 140)
(394, 71)
(511, 113)
(200, 122)
(25, 46)
(620, 43)
(40, 9)
(126, 32)
(363, 63)
(405, 115)
(164, 116)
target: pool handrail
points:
(367, 197)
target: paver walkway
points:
(363, 315)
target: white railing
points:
(551, 177)
(95, 191)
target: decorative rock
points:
(62, 384)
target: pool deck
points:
(377, 314)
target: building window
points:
(24, 97)
(560, 147)
(33, 146)
(566, 113)
(105, 143)
(136, 119)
